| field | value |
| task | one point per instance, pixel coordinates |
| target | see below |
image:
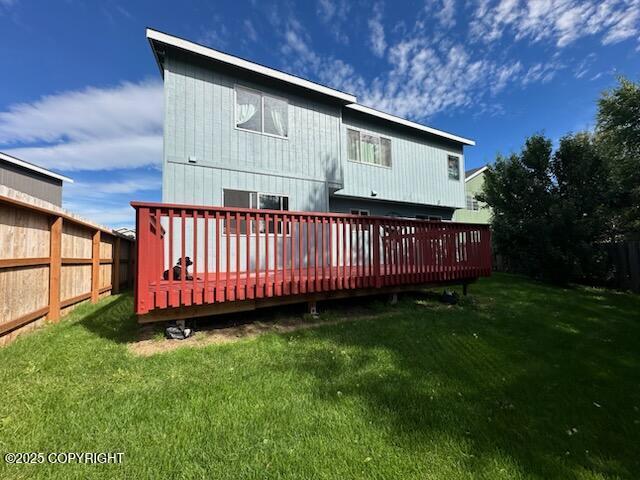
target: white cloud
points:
(335, 15)
(541, 73)
(445, 11)
(422, 80)
(560, 21)
(128, 151)
(131, 183)
(90, 129)
(250, 30)
(114, 216)
(376, 31)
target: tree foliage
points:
(553, 211)
(549, 208)
(618, 134)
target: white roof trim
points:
(475, 174)
(392, 118)
(34, 168)
(245, 64)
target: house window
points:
(363, 213)
(453, 167)
(272, 202)
(368, 148)
(239, 199)
(262, 113)
(472, 203)
(246, 199)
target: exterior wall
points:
(418, 172)
(483, 215)
(388, 209)
(200, 123)
(31, 183)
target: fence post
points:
(376, 253)
(95, 266)
(115, 266)
(55, 268)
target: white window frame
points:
(258, 194)
(374, 134)
(262, 94)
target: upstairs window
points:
(453, 165)
(368, 148)
(258, 112)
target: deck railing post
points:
(376, 253)
(142, 269)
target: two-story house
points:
(241, 134)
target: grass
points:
(522, 380)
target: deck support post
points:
(465, 287)
(313, 308)
(393, 298)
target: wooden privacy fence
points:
(246, 254)
(624, 265)
(50, 261)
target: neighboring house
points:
(240, 134)
(31, 179)
(475, 211)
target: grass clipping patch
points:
(151, 339)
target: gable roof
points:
(474, 172)
(33, 168)
(157, 39)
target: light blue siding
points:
(199, 121)
(418, 172)
(308, 167)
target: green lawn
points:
(522, 380)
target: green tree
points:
(518, 189)
(580, 210)
(618, 136)
(550, 209)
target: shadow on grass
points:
(114, 321)
(549, 377)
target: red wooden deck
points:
(291, 254)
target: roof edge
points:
(34, 168)
(476, 173)
(408, 123)
(180, 43)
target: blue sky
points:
(80, 92)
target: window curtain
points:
(369, 149)
(278, 122)
(245, 112)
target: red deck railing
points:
(243, 254)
